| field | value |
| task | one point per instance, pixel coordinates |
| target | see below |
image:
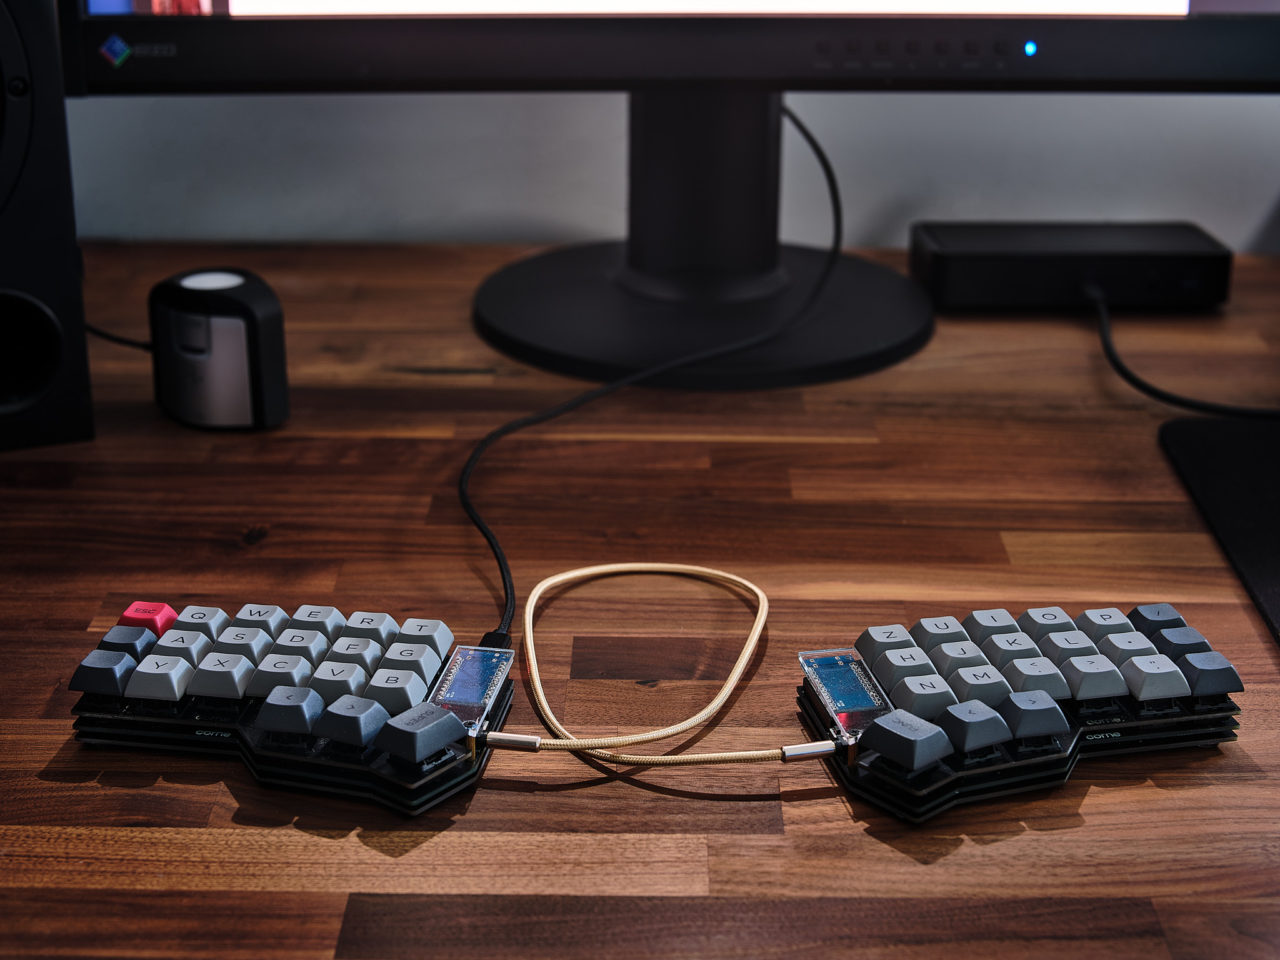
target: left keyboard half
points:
(358, 705)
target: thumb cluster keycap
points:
(314, 698)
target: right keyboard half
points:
(951, 711)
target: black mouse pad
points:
(1232, 470)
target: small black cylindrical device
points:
(217, 338)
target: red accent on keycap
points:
(156, 617)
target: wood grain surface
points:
(1004, 465)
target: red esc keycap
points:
(156, 617)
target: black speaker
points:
(44, 373)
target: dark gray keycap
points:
(1176, 642)
(1210, 674)
(328, 620)
(224, 675)
(135, 641)
(982, 624)
(432, 632)
(290, 710)
(359, 650)
(333, 679)
(421, 658)
(973, 725)
(950, 657)
(1033, 713)
(1036, 673)
(1096, 624)
(926, 696)
(906, 739)
(1039, 622)
(1121, 647)
(1151, 618)
(373, 626)
(416, 734)
(250, 642)
(312, 644)
(1154, 678)
(210, 621)
(980, 683)
(264, 616)
(160, 678)
(397, 690)
(1003, 648)
(103, 671)
(874, 641)
(351, 719)
(1092, 678)
(279, 670)
(190, 645)
(931, 631)
(894, 665)
(1062, 646)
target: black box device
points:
(1047, 266)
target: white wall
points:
(550, 167)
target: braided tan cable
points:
(597, 746)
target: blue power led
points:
(1030, 48)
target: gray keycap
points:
(327, 620)
(373, 626)
(420, 732)
(982, 624)
(135, 641)
(431, 632)
(103, 671)
(1119, 647)
(906, 739)
(190, 645)
(950, 657)
(1033, 713)
(1154, 678)
(1092, 678)
(874, 641)
(224, 675)
(1176, 642)
(1097, 623)
(351, 719)
(894, 665)
(980, 683)
(160, 678)
(397, 690)
(418, 657)
(290, 710)
(926, 696)
(1061, 647)
(266, 617)
(210, 621)
(333, 679)
(973, 725)
(931, 631)
(311, 644)
(1036, 673)
(359, 650)
(251, 642)
(279, 670)
(1039, 622)
(1003, 648)
(1151, 618)
(1210, 674)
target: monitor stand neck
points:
(702, 265)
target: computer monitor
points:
(702, 263)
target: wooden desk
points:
(1002, 466)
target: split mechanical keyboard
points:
(954, 711)
(360, 706)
